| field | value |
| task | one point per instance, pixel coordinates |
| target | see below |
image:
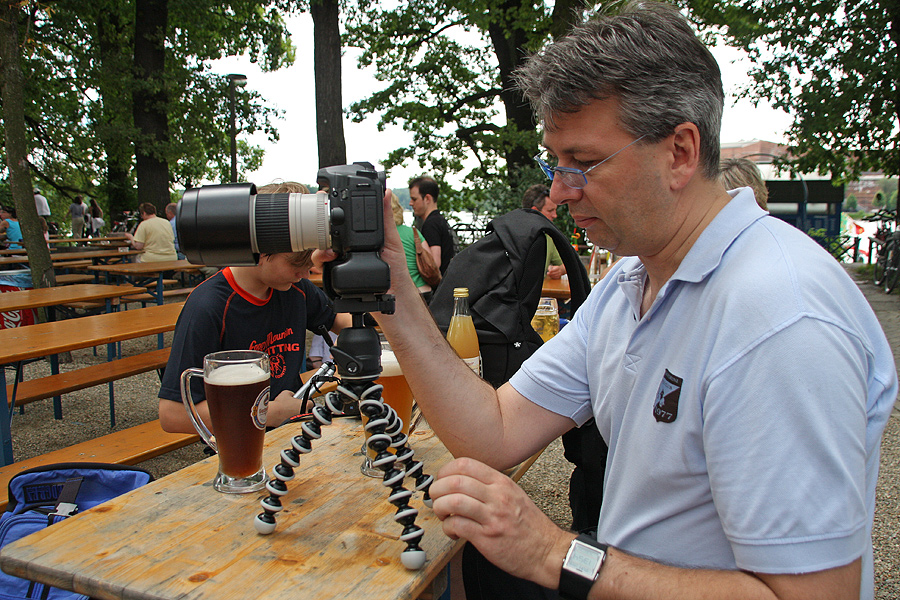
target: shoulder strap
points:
(65, 503)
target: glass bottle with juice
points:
(461, 333)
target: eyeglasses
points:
(576, 178)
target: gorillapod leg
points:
(393, 456)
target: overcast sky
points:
(295, 155)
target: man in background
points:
(43, 209)
(41, 204)
(171, 210)
(423, 195)
(153, 236)
(537, 197)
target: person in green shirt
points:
(537, 197)
(409, 245)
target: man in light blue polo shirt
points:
(738, 375)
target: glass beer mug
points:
(236, 383)
(396, 394)
(546, 319)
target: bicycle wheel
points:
(892, 267)
(879, 265)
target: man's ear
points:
(685, 149)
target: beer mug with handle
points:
(236, 383)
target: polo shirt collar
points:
(706, 254)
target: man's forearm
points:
(625, 577)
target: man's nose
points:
(561, 194)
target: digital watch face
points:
(584, 559)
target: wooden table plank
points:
(52, 296)
(146, 268)
(178, 538)
(556, 288)
(43, 339)
(57, 257)
(55, 337)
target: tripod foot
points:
(413, 558)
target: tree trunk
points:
(17, 149)
(150, 102)
(327, 65)
(508, 43)
(115, 129)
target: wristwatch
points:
(581, 567)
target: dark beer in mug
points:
(232, 392)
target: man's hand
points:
(487, 508)
(556, 271)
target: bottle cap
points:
(460, 292)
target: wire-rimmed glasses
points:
(576, 178)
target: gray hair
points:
(648, 58)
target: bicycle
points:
(885, 245)
(129, 223)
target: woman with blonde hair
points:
(740, 172)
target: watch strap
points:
(573, 586)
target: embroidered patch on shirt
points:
(665, 408)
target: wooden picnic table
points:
(96, 256)
(52, 338)
(89, 240)
(178, 538)
(556, 288)
(146, 273)
(54, 296)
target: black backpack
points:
(504, 272)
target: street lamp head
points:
(237, 79)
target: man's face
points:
(625, 206)
(281, 271)
(416, 202)
(549, 209)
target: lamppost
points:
(234, 79)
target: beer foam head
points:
(389, 365)
(240, 374)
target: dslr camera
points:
(226, 225)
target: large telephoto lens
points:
(222, 225)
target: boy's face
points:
(281, 271)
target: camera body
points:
(230, 225)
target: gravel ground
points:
(86, 415)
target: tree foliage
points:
(833, 65)
(447, 71)
(78, 57)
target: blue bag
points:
(45, 495)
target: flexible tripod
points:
(358, 358)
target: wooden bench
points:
(148, 297)
(72, 264)
(126, 447)
(70, 381)
(69, 278)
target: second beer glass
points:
(396, 394)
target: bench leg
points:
(57, 400)
(112, 405)
(6, 451)
(110, 351)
